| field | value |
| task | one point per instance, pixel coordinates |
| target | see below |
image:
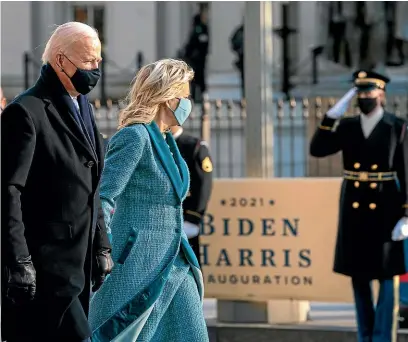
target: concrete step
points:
(266, 333)
(334, 322)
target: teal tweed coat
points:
(155, 291)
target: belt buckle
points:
(363, 176)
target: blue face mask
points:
(182, 111)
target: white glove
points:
(191, 230)
(400, 231)
(340, 108)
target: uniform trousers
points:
(195, 246)
(376, 323)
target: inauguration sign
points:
(272, 239)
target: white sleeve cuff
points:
(191, 230)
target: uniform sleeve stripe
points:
(327, 128)
(194, 213)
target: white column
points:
(258, 42)
(308, 24)
(42, 17)
(259, 153)
(225, 17)
(63, 12)
(130, 27)
(169, 39)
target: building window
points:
(93, 16)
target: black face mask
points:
(367, 105)
(84, 80)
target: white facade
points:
(158, 29)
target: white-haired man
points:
(54, 242)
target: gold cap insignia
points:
(206, 165)
(362, 74)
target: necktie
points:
(77, 118)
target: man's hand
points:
(101, 268)
(400, 231)
(340, 108)
(21, 281)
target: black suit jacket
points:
(50, 210)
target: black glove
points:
(21, 281)
(102, 266)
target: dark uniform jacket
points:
(237, 45)
(197, 156)
(196, 52)
(50, 210)
(372, 200)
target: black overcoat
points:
(369, 209)
(197, 156)
(50, 209)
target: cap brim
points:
(367, 87)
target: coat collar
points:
(68, 123)
(55, 97)
(170, 158)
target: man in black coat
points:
(54, 249)
(197, 156)
(374, 201)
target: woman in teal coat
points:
(155, 291)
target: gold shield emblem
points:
(206, 165)
(362, 74)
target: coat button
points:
(357, 166)
(356, 184)
(373, 206)
(374, 167)
(356, 205)
(373, 185)
(90, 163)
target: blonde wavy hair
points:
(153, 85)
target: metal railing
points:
(222, 124)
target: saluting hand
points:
(340, 108)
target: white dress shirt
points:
(76, 104)
(178, 133)
(368, 122)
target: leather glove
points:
(191, 230)
(101, 268)
(21, 281)
(340, 108)
(400, 231)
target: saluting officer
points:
(373, 202)
(197, 156)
